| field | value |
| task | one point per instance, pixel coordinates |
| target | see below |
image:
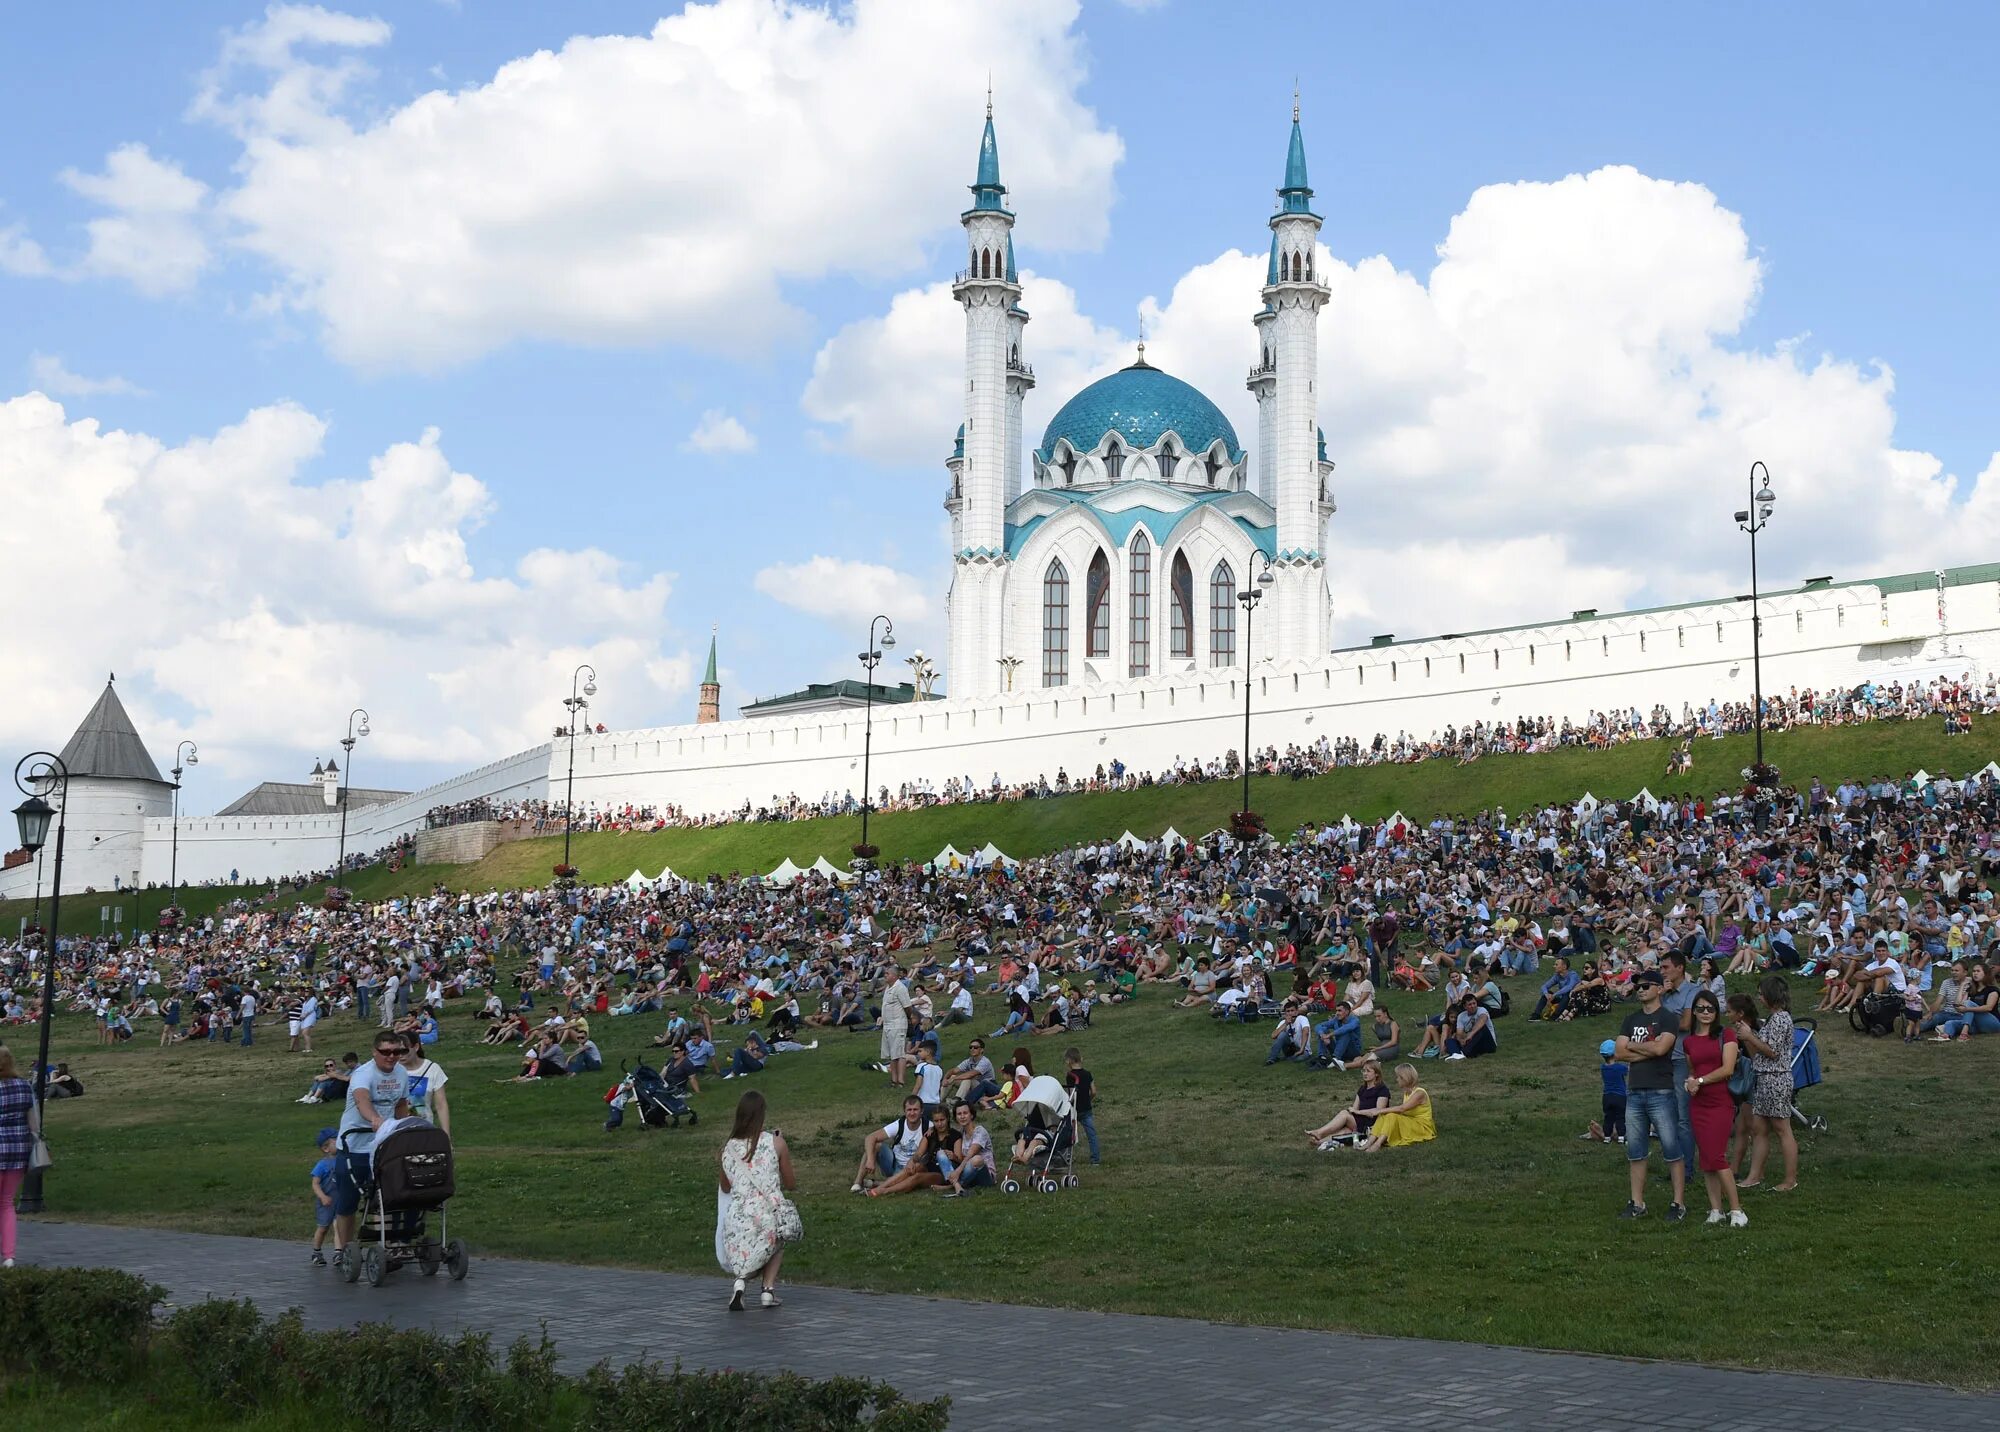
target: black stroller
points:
(409, 1177)
(659, 1102)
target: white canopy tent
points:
(785, 874)
(1129, 841)
(1588, 804)
(1646, 800)
(951, 858)
(825, 867)
(991, 854)
(1172, 839)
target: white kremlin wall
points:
(1822, 636)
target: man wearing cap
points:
(1677, 999)
(1646, 1041)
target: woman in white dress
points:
(753, 1218)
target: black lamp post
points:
(34, 815)
(174, 861)
(346, 780)
(870, 659)
(578, 701)
(1252, 593)
(1753, 520)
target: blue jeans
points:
(1282, 1048)
(364, 996)
(249, 1027)
(1650, 1111)
(885, 1160)
(1089, 1123)
(984, 1089)
(1973, 1023)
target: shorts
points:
(292, 1028)
(323, 1214)
(1647, 1112)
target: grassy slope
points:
(1025, 828)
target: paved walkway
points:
(1016, 1368)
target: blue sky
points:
(1852, 142)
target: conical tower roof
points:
(107, 746)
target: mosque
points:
(1143, 523)
(1106, 587)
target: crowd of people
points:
(1956, 701)
(1369, 949)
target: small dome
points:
(1141, 404)
(958, 443)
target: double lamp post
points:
(46, 771)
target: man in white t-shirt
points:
(246, 1016)
(889, 1149)
(373, 1091)
(427, 1081)
(390, 988)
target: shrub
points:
(223, 1348)
(75, 1324)
(647, 1398)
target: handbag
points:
(1744, 1078)
(791, 1228)
(38, 1154)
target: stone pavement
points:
(1017, 1367)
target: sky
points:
(407, 357)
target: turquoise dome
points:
(1141, 404)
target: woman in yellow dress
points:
(1408, 1121)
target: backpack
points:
(1506, 1002)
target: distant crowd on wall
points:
(1956, 701)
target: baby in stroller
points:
(1045, 1144)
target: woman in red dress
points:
(1711, 1054)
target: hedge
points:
(72, 1325)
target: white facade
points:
(1123, 557)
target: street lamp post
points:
(34, 814)
(1753, 520)
(347, 780)
(577, 702)
(181, 762)
(871, 658)
(1251, 594)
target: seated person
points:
(927, 1168)
(322, 1088)
(749, 1057)
(1556, 991)
(1357, 1120)
(696, 1056)
(586, 1060)
(1472, 1031)
(972, 1166)
(1406, 1120)
(544, 1059)
(1338, 1039)
(887, 1151)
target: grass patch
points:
(1502, 1231)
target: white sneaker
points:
(813, 1045)
(736, 1297)
(1341, 1065)
(1454, 1059)
(6, 1262)
(1739, 1219)
(1715, 1215)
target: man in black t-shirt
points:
(1646, 1040)
(1083, 1089)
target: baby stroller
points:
(1050, 1138)
(1805, 1071)
(1875, 1013)
(409, 1176)
(659, 1103)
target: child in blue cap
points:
(1612, 1129)
(322, 1187)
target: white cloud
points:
(719, 432)
(634, 189)
(52, 376)
(846, 591)
(21, 255)
(230, 586)
(1559, 416)
(152, 238)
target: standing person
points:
(1676, 995)
(322, 1191)
(427, 1080)
(20, 1126)
(1083, 1093)
(372, 1096)
(754, 1218)
(308, 1018)
(895, 1028)
(1646, 1040)
(1712, 1052)
(390, 988)
(1770, 1049)
(246, 1015)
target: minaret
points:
(710, 709)
(990, 293)
(1020, 378)
(1295, 298)
(1263, 383)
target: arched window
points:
(1167, 460)
(1180, 620)
(1055, 624)
(1222, 616)
(1068, 465)
(1097, 605)
(1139, 620)
(1114, 461)
(986, 263)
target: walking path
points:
(1016, 1367)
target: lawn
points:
(1207, 1205)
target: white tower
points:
(989, 471)
(1295, 299)
(1263, 383)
